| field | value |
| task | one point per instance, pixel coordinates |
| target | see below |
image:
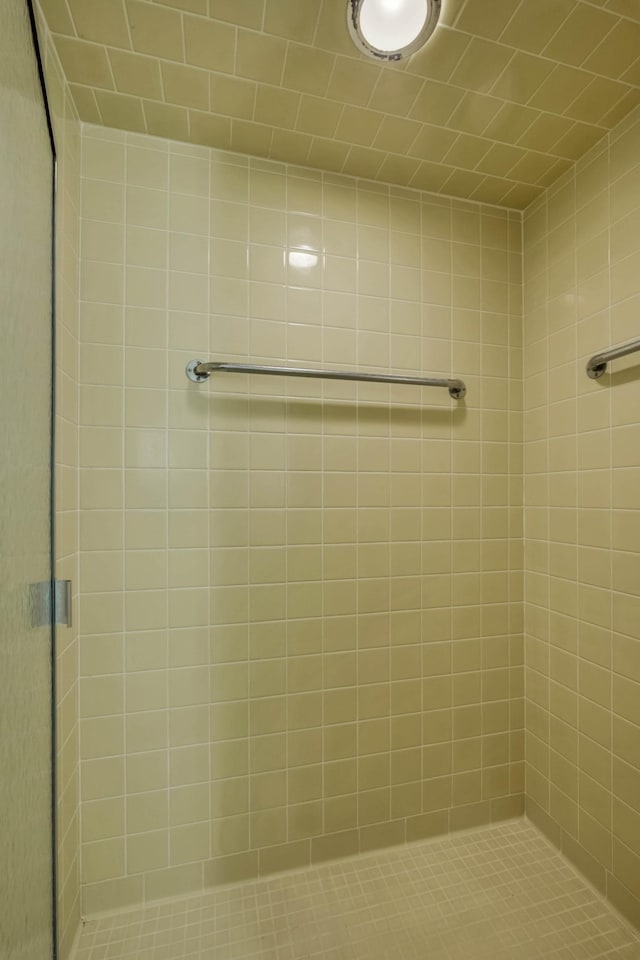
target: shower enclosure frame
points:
(52, 491)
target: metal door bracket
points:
(43, 610)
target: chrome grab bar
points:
(597, 365)
(199, 370)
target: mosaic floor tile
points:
(495, 893)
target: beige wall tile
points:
(155, 30)
(136, 75)
(209, 44)
(102, 22)
(85, 63)
(508, 77)
(120, 110)
(589, 715)
(312, 564)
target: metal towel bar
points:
(597, 365)
(199, 370)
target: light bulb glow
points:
(301, 260)
(390, 25)
(391, 29)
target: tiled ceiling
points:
(506, 94)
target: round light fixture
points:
(391, 29)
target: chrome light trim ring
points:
(353, 24)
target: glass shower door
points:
(26, 179)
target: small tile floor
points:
(496, 893)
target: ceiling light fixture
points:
(391, 29)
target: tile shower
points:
(357, 548)
(315, 620)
